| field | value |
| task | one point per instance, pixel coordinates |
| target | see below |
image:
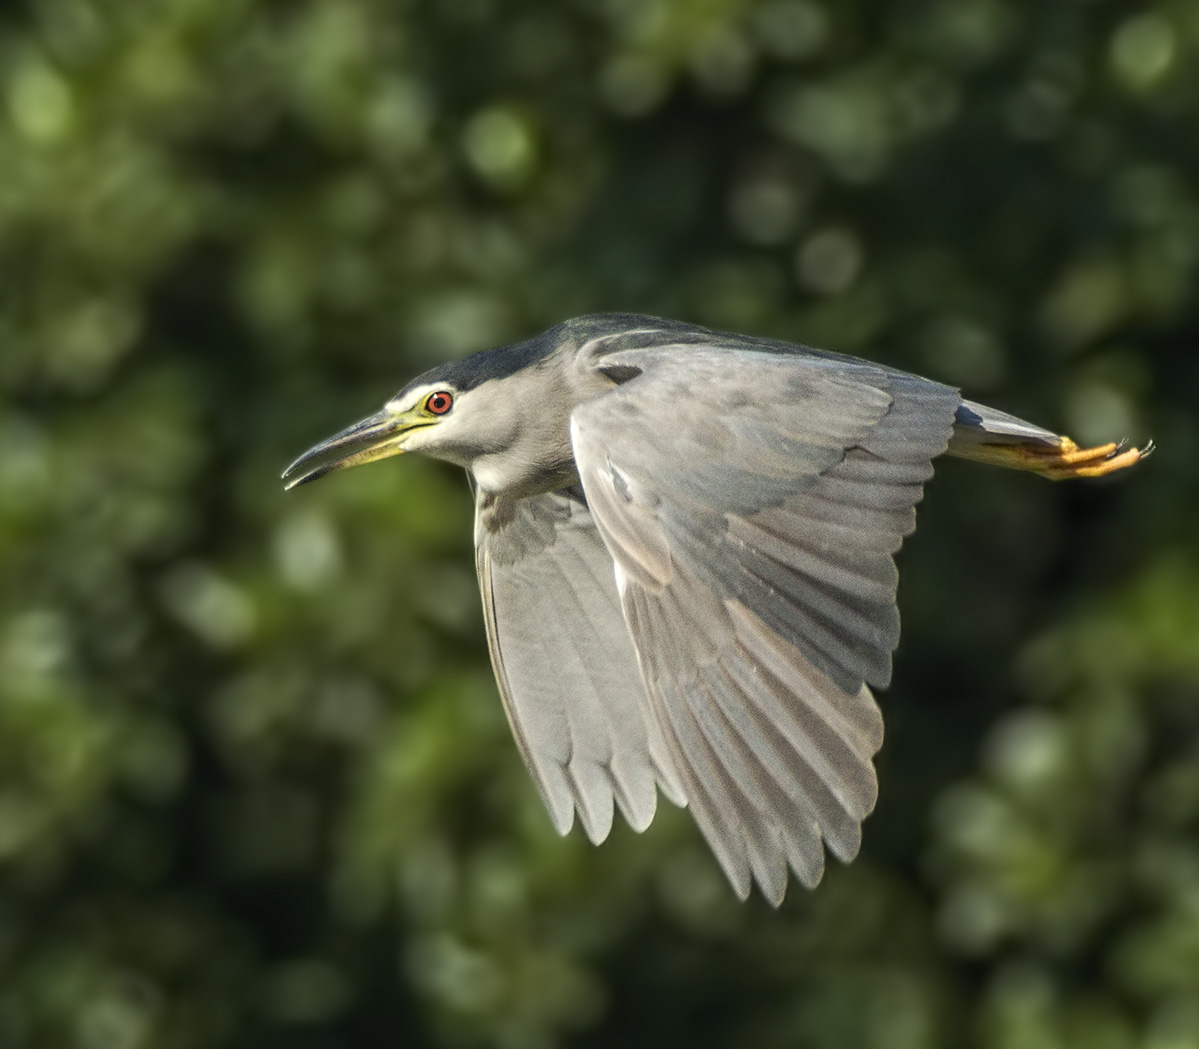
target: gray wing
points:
(752, 504)
(565, 664)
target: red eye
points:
(440, 402)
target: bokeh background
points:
(256, 788)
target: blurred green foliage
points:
(256, 788)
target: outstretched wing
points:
(752, 504)
(565, 664)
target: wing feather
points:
(752, 505)
(565, 664)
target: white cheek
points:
(432, 438)
(418, 440)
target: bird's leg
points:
(1062, 460)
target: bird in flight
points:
(684, 541)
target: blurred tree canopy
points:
(256, 788)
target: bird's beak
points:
(379, 436)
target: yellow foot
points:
(1066, 459)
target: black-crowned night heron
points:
(684, 541)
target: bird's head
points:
(405, 423)
(458, 411)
